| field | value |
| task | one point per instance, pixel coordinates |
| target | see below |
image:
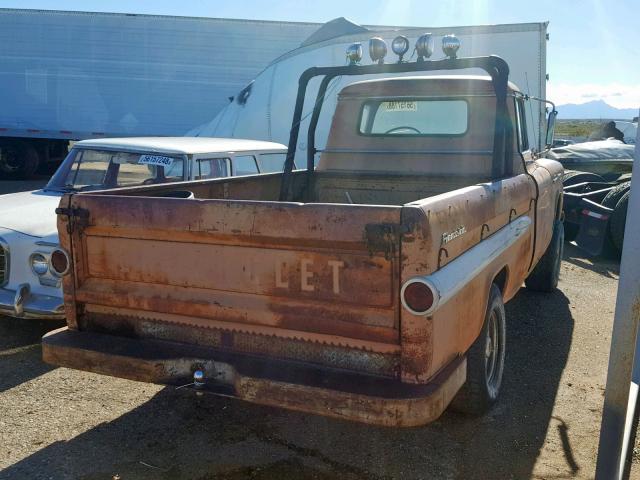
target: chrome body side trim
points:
(457, 274)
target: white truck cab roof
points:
(180, 145)
(366, 86)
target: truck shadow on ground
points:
(180, 435)
(20, 352)
(607, 264)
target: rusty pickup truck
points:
(368, 286)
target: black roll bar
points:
(495, 66)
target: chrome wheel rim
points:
(492, 352)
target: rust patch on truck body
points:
(247, 263)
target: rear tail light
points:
(59, 263)
(418, 296)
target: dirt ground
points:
(57, 423)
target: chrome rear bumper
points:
(22, 303)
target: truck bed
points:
(326, 187)
(232, 268)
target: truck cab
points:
(369, 286)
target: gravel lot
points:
(63, 424)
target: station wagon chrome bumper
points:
(265, 381)
(22, 303)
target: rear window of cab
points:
(416, 117)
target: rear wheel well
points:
(501, 279)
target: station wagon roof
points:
(460, 84)
(180, 145)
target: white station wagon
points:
(31, 262)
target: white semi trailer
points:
(264, 108)
(76, 75)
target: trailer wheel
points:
(611, 200)
(545, 275)
(615, 194)
(485, 361)
(18, 160)
(618, 221)
(573, 177)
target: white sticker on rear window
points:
(157, 160)
(400, 106)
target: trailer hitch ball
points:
(198, 379)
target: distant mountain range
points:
(596, 109)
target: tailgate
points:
(324, 273)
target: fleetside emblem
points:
(458, 232)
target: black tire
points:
(614, 195)
(618, 220)
(573, 177)
(614, 247)
(485, 361)
(18, 161)
(545, 275)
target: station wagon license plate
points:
(157, 160)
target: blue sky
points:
(593, 51)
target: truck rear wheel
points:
(545, 275)
(18, 160)
(485, 361)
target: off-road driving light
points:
(450, 46)
(59, 263)
(424, 46)
(354, 53)
(39, 264)
(400, 46)
(418, 296)
(377, 49)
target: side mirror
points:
(551, 126)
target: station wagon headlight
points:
(39, 264)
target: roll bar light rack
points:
(495, 66)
